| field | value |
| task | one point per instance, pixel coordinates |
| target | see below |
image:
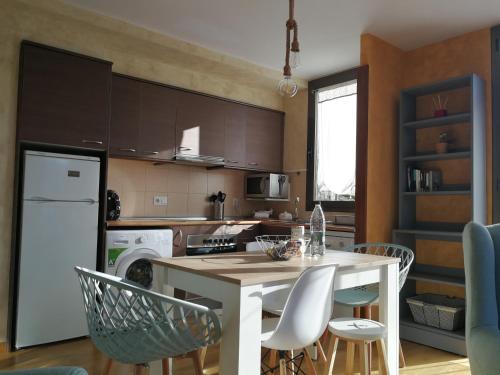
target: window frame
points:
(359, 205)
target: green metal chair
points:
(368, 294)
(482, 292)
(136, 326)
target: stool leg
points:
(332, 352)
(165, 366)
(282, 366)
(107, 368)
(402, 362)
(272, 358)
(309, 363)
(349, 362)
(382, 358)
(321, 352)
(363, 358)
(292, 365)
(366, 313)
(140, 370)
(198, 366)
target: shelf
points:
(432, 157)
(438, 192)
(444, 235)
(446, 85)
(451, 341)
(438, 121)
(439, 279)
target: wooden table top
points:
(250, 269)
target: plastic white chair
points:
(133, 325)
(305, 317)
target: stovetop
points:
(198, 244)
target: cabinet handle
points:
(93, 142)
(232, 161)
(128, 149)
(253, 163)
(150, 152)
(184, 148)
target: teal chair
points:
(367, 295)
(133, 325)
(482, 289)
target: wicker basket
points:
(438, 311)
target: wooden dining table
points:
(242, 282)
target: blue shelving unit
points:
(409, 229)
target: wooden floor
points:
(421, 360)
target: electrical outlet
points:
(160, 200)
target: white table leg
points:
(389, 313)
(241, 330)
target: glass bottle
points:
(317, 230)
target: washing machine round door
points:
(136, 266)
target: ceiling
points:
(329, 30)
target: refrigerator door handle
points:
(42, 199)
(89, 201)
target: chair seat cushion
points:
(357, 329)
(268, 327)
(356, 297)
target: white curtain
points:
(336, 142)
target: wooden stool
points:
(361, 332)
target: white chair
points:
(305, 317)
(361, 332)
(133, 325)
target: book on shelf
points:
(419, 180)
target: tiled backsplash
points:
(187, 189)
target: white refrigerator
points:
(59, 230)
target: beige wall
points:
(134, 51)
(186, 187)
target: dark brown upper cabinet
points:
(235, 129)
(264, 139)
(125, 117)
(64, 98)
(143, 118)
(200, 125)
(157, 125)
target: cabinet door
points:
(200, 125)
(125, 115)
(264, 139)
(64, 98)
(235, 132)
(157, 125)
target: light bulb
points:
(288, 87)
(294, 59)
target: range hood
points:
(200, 160)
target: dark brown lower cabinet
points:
(64, 98)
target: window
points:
(332, 142)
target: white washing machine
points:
(129, 253)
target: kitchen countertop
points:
(166, 222)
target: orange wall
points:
(391, 70)
(385, 79)
(465, 54)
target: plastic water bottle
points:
(317, 230)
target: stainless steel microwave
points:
(267, 186)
